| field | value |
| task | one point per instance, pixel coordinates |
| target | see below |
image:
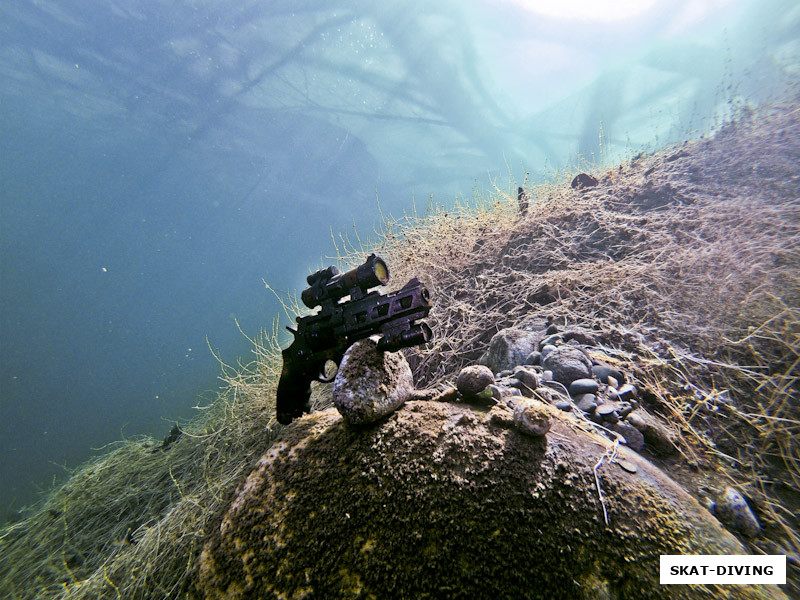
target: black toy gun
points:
(325, 336)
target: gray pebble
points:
(568, 363)
(586, 402)
(608, 412)
(633, 437)
(527, 377)
(371, 384)
(534, 358)
(474, 379)
(551, 329)
(656, 434)
(520, 387)
(583, 386)
(551, 340)
(547, 350)
(603, 372)
(564, 405)
(732, 510)
(547, 376)
(627, 392)
(624, 409)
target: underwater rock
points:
(732, 509)
(633, 437)
(564, 405)
(438, 501)
(583, 386)
(627, 392)
(534, 358)
(567, 364)
(583, 180)
(527, 378)
(655, 433)
(603, 372)
(508, 348)
(586, 402)
(371, 384)
(474, 379)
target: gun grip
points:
(294, 392)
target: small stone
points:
(603, 372)
(627, 392)
(627, 465)
(732, 510)
(567, 363)
(564, 405)
(497, 391)
(474, 379)
(633, 437)
(583, 386)
(612, 381)
(547, 376)
(520, 387)
(551, 329)
(371, 384)
(507, 348)
(534, 358)
(528, 378)
(586, 402)
(532, 418)
(503, 373)
(583, 180)
(655, 433)
(612, 394)
(608, 412)
(547, 350)
(624, 409)
(551, 340)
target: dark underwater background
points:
(158, 160)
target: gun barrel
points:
(416, 335)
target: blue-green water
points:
(159, 159)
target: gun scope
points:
(329, 284)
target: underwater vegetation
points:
(686, 262)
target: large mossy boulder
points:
(442, 501)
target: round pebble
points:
(551, 329)
(547, 350)
(603, 372)
(586, 402)
(608, 411)
(474, 379)
(528, 378)
(568, 363)
(534, 358)
(583, 386)
(627, 465)
(627, 392)
(551, 340)
(531, 418)
(564, 405)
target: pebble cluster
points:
(558, 368)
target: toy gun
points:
(325, 336)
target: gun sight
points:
(329, 285)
